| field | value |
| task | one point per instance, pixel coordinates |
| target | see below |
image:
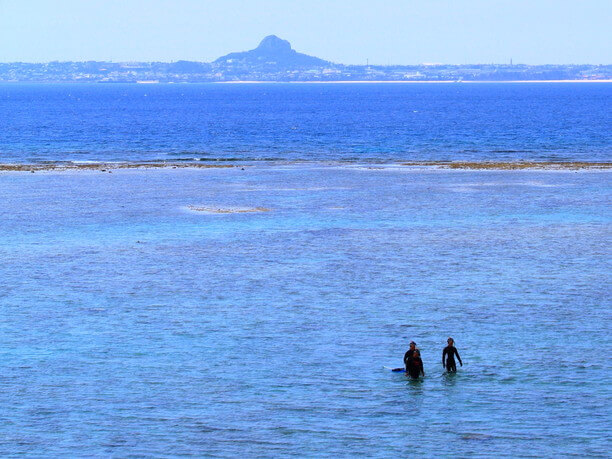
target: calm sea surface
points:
(132, 326)
(362, 122)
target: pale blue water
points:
(132, 327)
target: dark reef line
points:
(468, 165)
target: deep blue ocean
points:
(347, 122)
(138, 321)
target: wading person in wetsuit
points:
(409, 353)
(414, 365)
(449, 353)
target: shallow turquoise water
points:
(133, 326)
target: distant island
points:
(274, 60)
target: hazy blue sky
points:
(345, 31)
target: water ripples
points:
(132, 327)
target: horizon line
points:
(422, 64)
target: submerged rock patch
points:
(227, 210)
(106, 167)
(512, 165)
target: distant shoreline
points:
(149, 83)
(411, 81)
(455, 165)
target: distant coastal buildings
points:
(275, 60)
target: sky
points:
(380, 32)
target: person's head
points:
(412, 345)
(450, 341)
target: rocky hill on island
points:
(272, 53)
(274, 60)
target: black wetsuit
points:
(414, 367)
(407, 356)
(449, 352)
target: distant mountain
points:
(272, 52)
(275, 60)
